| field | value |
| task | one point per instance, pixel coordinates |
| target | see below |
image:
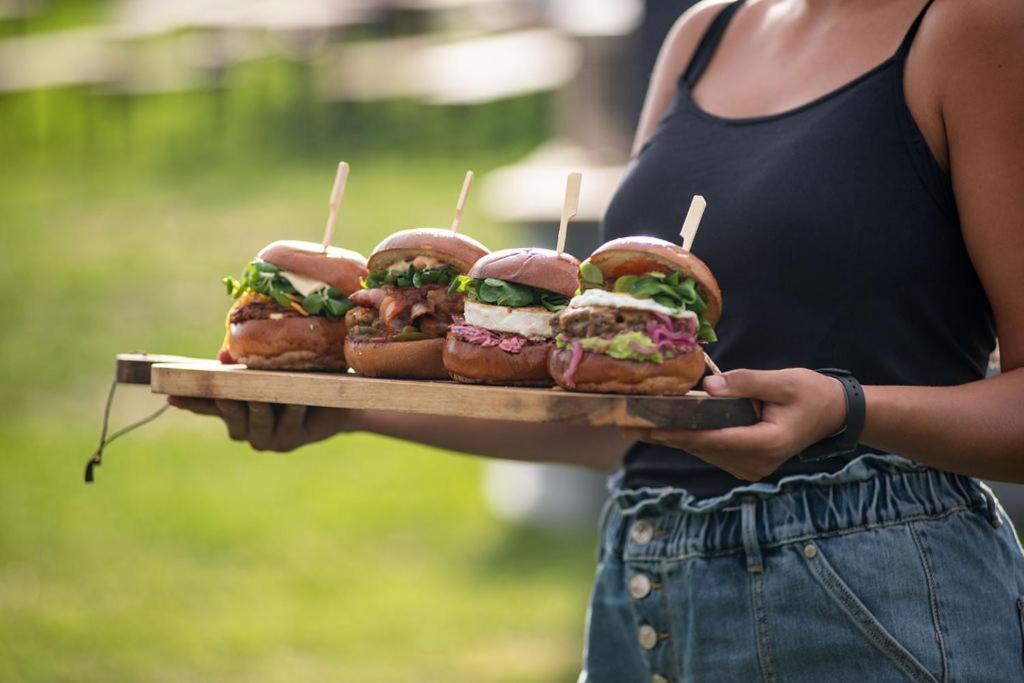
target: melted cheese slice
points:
(533, 322)
(305, 285)
(605, 299)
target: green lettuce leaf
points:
(503, 293)
(591, 275)
(412, 277)
(671, 291)
(266, 279)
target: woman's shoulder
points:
(686, 33)
(965, 48)
(976, 19)
(954, 32)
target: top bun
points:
(639, 255)
(340, 268)
(542, 268)
(444, 245)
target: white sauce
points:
(602, 298)
(533, 322)
(421, 261)
(305, 285)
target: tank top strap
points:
(908, 39)
(709, 43)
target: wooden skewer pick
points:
(692, 221)
(336, 192)
(710, 363)
(569, 206)
(462, 201)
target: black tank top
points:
(833, 233)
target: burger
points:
(290, 305)
(512, 299)
(636, 327)
(401, 316)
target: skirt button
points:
(647, 636)
(639, 586)
(641, 532)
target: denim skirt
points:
(883, 571)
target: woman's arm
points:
(285, 428)
(977, 428)
(976, 54)
(596, 447)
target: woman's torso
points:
(833, 233)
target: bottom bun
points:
(306, 343)
(475, 364)
(408, 359)
(600, 373)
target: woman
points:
(864, 166)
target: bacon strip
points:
(430, 307)
(368, 298)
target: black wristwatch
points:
(846, 441)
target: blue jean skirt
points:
(883, 571)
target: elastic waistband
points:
(872, 491)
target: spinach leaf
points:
(672, 291)
(553, 301)
(494, 291)
(329, 301)
(266, 279)
(688, 290)
(313, 303)
(412, 277)
(623, 283)
(706, 332)
(503, 293)
(281, 298)
(591, 274)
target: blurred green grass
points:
(55, 15)
(192, 557)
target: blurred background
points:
(150, 147)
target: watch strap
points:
(845, 441)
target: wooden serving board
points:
(210, 379)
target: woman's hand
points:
(271, 427)
(799, 407)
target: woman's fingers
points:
(764, 439)
(774, 386)
(635, 433)
(261, 425)
(199, 406)
(321, 423)
(236, 417)
(291, 420)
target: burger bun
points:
(541, 268)
(408, 359)
(340, 268)
(306, 343)
(600, 373)
(475, 364)
(449, 247)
